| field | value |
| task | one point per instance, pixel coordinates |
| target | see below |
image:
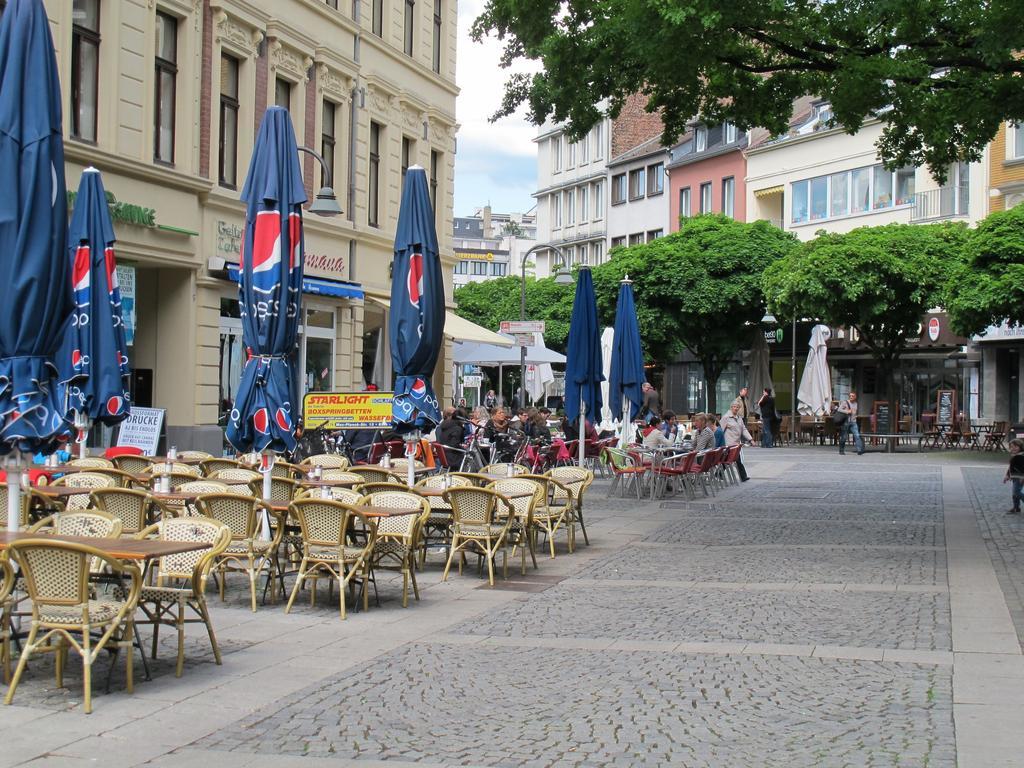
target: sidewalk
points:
(832, 611)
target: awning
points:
(318, 286)
(460, 329)
(769, 191)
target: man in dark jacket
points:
(450, 430)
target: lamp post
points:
(326, 204)
(562, 277)
(769, 319)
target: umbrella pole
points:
(14, 492)
(266, 465)
(410, 458)
(626, 424)
(583, 430)
(82, 425)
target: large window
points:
(700, 138)
(410, 24)
(585, 150)
(85, 68)
(599, 201)
(166, 76)
(705, 197)
(570, 207)
(584, 208)
(598, 135)
(572, 155)
(598, 251)
(407, 145)
(436, 63)
(435, 168)
(654, 234)
(637, 183)
(684, 203)
(373, 180)
(637, 238)
(499, 269)
(318, 346)
(851, 192)
(1016, 146)
(618, 188)
(461, 268)
(283, 93)
(377, 17)
(618, 242)
(655, 179)
(556, 209)
(328, 137)
(228, 141)
(729, 196)
(556, 153)
(479, 267)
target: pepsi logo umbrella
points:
(94, 356)
(416, 323)
(583, 369)
(627, 370)
(270, 290)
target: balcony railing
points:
(941, 203)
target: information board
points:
(945, 406)
(521, 326)
(347, 410)
(883, 419)
(142, 429)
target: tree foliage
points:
(988, 287)
(941, 74)
(489, 302)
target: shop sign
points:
(318, 259)
(126, 281)
(1004, 332)
(486, 256)
(142, 429)
(773, 335)
(123, 213)
(934, 328)
(347, 410)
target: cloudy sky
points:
(495, 162)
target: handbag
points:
(839, 418)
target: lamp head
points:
(769, 319)
(326, 204)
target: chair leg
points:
(299, 579)
(86, 672)
(451, 555)
(209, 629)
(60, 657)
(490, 563)
(26, 651)
(583, 526)
(180, 626)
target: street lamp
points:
(562, 277)
(326, 204)
(769, 319)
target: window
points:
(654, 234)
(655, 179)
(597, 250)
(556, 154)
(462, 268)
(637, 182)
(618, 189)
(228, 141)
(406, 154)
(585, 150)
(729, 132)
(166, 77)
(860, 184)
(435, 165)
(729, 196)
(410, 20)
(1017, 145)
(700, 139)
(572, 155)
(881, 195)
(377, 18)
(582, 253)
(283, 93)
(327, 141)
(581, 194)
(599, 141)
(799, 212)
(839, 183)
(905, 185)
(705, 197)
(637, 238)
(851, 192)
(599, 201)
(618, 242)
(556, 210)
(85, 68)
(436, 63)
(318, 349)
(684, 203)
(499, 269)
(332, 3)
(819, 198)
(570, 207)
(479, 267)
(373, 182)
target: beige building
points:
(165, 97)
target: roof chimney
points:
(488, 233)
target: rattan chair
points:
(180, 584)
(90, 523)
(173, 468)
(6, 604)
(27, 498)
(502, 468)
(334, 493)
(285, 470)
(235, 476)
(87, 481)
(131, 507)
(373, 474)
(474, 477)
(209, 466)
(249, 551)
(398, 536)
(56, 575)
(438, 525)
(343, 476)
(133, 465)
(91, 462)
(325, 460)
(282, 489)
(576, 481)
(197, 456)
(329, 550)
(402, 464)
(477, 524)
(548, 518)
(522, 531)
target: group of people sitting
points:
(708, 432)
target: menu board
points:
(883, 420)
(945, 406)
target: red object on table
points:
(34, 475)
(122, 450)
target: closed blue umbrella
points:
(583, 374)
(270, 290)
(416, 323)
(94, 356)
(35, 290)
(627, 372)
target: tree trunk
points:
(712, 373)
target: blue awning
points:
(318, 286)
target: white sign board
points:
(524, 339)
(142, 429)
(471, 381)
(522, 326)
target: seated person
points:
(669, 426)
(450, 431)
(359, 442)
(653, 436)
(703, 436)
(716, 427)
(538, 428)
(498, 424)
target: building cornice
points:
(135, 169)
(814, 135)
(407, 61)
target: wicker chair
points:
(133, 465)
(87, 481)
(181, 580)
(197, 456)
(56, 575)
(209, 466)
(248, 551)
(438, 525)
(131, 507)
(235, 476)
(329, 550)
(524, 494)
(373, 474)
(91, 462)
(626, 471)
(398, 536)
(474, 477)
(121, 479)
(90, 523)
(6, 604)
(282, 489)
(325, 460)
(27, 498)
(335, 492)
(173, 468)
(285, 470)
(476, 523)
(549, 518)
(343, 476)
(192, 487)
(502, 468)
(575, 480)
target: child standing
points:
(1015, 473)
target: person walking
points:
(849, 426)
(736, 434)
(490, 399)
(741, 399)
(1015, 473)
(767, 405)
(651, 403)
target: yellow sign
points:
(347, 410)
(475, 256)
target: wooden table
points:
(62, 491)
(119, 549)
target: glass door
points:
(318, 335)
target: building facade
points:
(489, 245)
(165, 98)
(638, 205)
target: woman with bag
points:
(767, 405)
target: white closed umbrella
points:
(538, 376)
(815, 392)
(607, 417)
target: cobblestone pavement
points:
(731, 532)
(775, 510)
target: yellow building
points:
(165, 98)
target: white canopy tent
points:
(500, 356)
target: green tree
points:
(879, 280)
(940, 74)
(698, 289)
(489, 302)
(988, 287)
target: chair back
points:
(473, 477)
(377, 450)
(57, 574)
(372, 474)
(282, 489)
(26, 505)
(197, 456)
(86, 481)
(127, 505)
(575, 479)
(210, 466)
(437, 482)
(472, 505)
(238, 513)
(325, 460)
(367, 488)
(523, 494)
(502, 468)
(337, 493)
(403, 464)
(176, 479)
(192, 565)
(202, 486)
(325, 523)
(285, 470)
(132, 464)
(441, 457)
(88, 523)
(342, 475)
(712, 459)
(173, 467)
(121, 479)
(91, 462)
(235, 475)
(619, 460)
(398, 498)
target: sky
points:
(495, 163)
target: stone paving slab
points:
(879, 513)
(795, 532)
(498, 706)
(882, 620)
